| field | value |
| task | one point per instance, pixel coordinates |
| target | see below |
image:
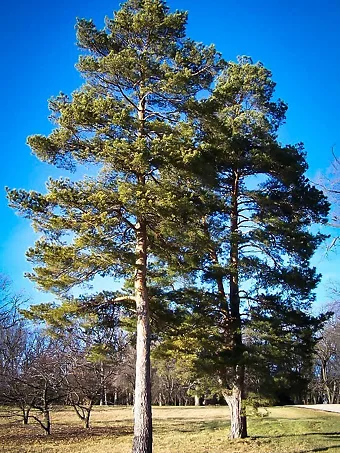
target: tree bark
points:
(25, 414)
(47, 422)
(142, 442)
(235, 396)
(197, 400)
(87, 418)
(238, 421)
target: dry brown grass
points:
(177, 430)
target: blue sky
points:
(299, 41)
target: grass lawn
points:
(177, 430)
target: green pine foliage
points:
(140, 64)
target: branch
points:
(126, 97)
(122, 298)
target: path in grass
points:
(321, 407)
(178, 430)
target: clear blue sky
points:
(298, 40)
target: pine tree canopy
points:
(129, 120)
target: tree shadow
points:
(335, 434)
(190, 426)
(319, 449)
(32, 433)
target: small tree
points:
(327, 364)
(89, 331)
(32, 374)
(84, 384)
(16, 346)
(16, 354)
(10, 302)
(46, 379)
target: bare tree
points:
(10, 302)
(47, 380)
(16, 354)
(15, 349)
(85, 381)
(329, 182)
(33, 372)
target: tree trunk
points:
(25, 414)
(103, 390)
(236, 394)
(238, 420)
(87, 418)
(87, 414)
(197, 400)
(142, 442)
(47, 422)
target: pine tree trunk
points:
(235, 395)
(142, 442)
(238, 421)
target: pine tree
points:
(253, 241)
(281, 343)
(129, 122)
(263, 243)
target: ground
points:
(177, 430)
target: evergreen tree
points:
(261, 234)
(253, 241)
(129, 121)
(281, 342)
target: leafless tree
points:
(85, 381)
(10, 302)
(32, 374)
(16, 354)
(325, 383)
(329, 182)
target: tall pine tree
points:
(253, 240)
(129, 121)
(263, 244)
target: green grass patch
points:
(177, 430)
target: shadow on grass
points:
(190, 426)
(335, 435)
(319, 449)
(63, 433)
(332, 436)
